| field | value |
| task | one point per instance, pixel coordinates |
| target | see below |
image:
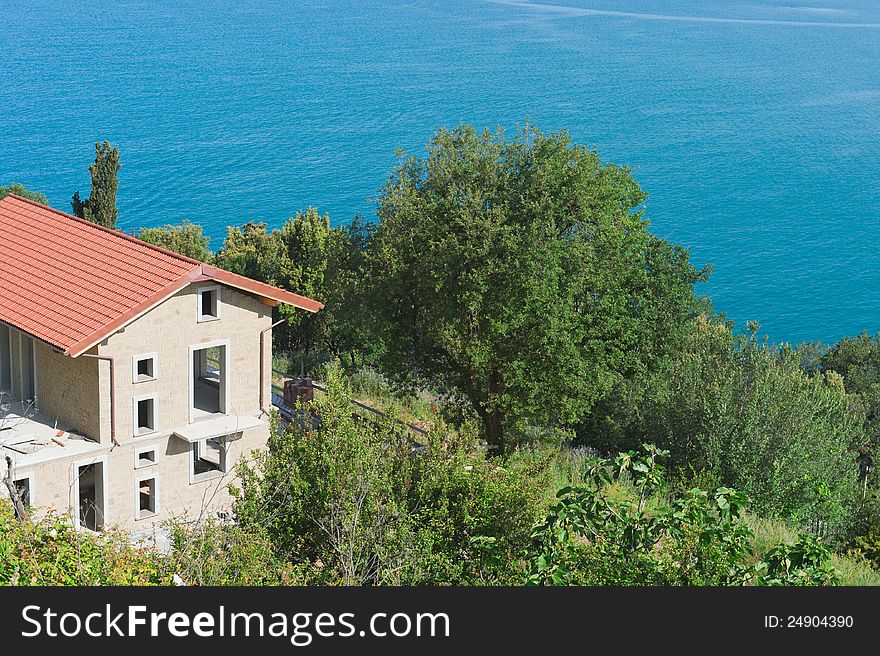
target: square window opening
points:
(209, 303)
(145, 368)
(146, 458)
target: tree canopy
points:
(307, 256)
(185, 238)
(518, 276)
(21, 190)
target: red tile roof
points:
(71, 283)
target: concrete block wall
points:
(54, 482)
(177, 496)
(169, 330)
(68, 390)
(52, 485)
(77, 392)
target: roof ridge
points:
(117, 233)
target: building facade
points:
(132, 379)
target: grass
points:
(371, 388)
(851, 569)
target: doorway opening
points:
(90, 487)
(24, 487)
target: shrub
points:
(360, 503)
(806, 563)
(218, 553)
(596, 536)
(49, 551)
(863, 536)
(857, 359)
(473, 516)
(323, 493)
(747, 415)
(186, 238)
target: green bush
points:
(863, 535)
(186, 238)
(218, 553)
(745, 414)
(473, 516)
(49, 551)
(805, 563)
(595, 535)
(357, 502)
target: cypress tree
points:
(100, 206)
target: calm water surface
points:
(755, 127)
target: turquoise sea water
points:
(754, 125)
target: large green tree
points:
(251, 250)
(293, 257)
(100, 206)
(519, 277)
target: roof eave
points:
(261, 289)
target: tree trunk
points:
(492, 418)
(494, 424)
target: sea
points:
(754, 126)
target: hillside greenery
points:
(590, 418)
(345, 501)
